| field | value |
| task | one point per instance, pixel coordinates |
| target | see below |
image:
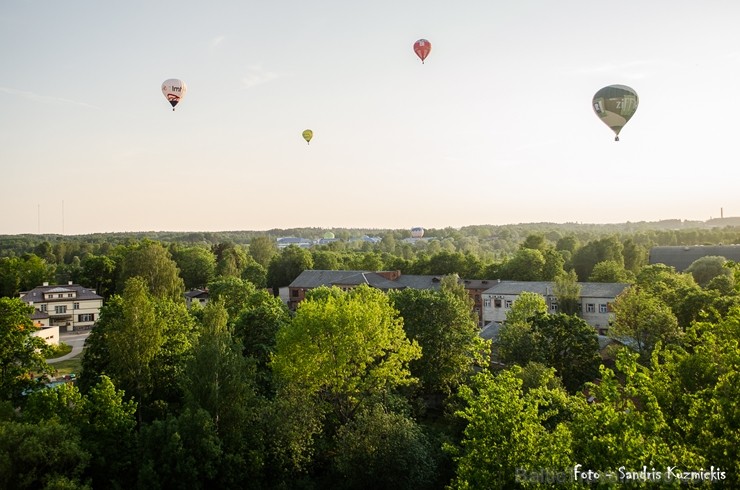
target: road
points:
(76, 340)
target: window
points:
(43, 308)
(60, 309)
(602, 309)
(554, 306)
(590, 308)
(487, 302)
(76, 305)
(86, 317)
(70, 295)
(294, 293)
(497, 303)
(507, 303)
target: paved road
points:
(76, 340)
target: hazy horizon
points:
(495, 127)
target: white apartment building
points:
(69, 308)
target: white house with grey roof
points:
(595, 302)
(69, 307)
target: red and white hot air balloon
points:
(422, 47)
(174, 90)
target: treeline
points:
(517, 252)
(365, 389)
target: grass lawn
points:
(69, 366)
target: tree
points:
(568, 293)
(258, 324)
(610, 271)
(231, 260)
(625, 426)
(564, 342)
(526, 306)
(197, 266)
(442, 323)
(45, 454)
(287, 265)
(378, 449)
(554, 262)
(641, 320)
(510, 432)
(234, 293)
(133, 339)
(220, 381)
(704, 269)
(325, 260)
(21, 353)
(526, 265)
(152, 262)
(263, 249)
(586, 257)
(345, 348)
(98, 272)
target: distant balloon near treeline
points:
(174, 90)
(417, 232)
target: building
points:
(70, 308)
(595, 302)
(199, 296)
(681, 257)
(291, 240)
(383, 280)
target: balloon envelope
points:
(174, 90)
(417, 232)
(307, 135)
(615, 105)
(422, 47)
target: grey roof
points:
(315, 278)
(196, 293)
(546, 288)
(37, 293)
(680, 257)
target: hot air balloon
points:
(174, 90)
(307, 135)
(417, 232)
(615, 105)
(422, 47)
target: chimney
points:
(46, 283)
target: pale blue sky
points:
(496, 127)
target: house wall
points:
(597, 318)
(72, 319)
(49, 334)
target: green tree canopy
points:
(21, 353)
(152, 262)
(345, 348)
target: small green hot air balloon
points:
(307, 135)
(615, 105)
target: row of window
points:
(590, 307)
(51, 296)
(61, 308)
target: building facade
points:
(383, 280)
(71, 307)
(595, 302)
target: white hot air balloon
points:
(174, 90)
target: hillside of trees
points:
(365, 389)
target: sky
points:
(496, 127)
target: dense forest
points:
(367, 389)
